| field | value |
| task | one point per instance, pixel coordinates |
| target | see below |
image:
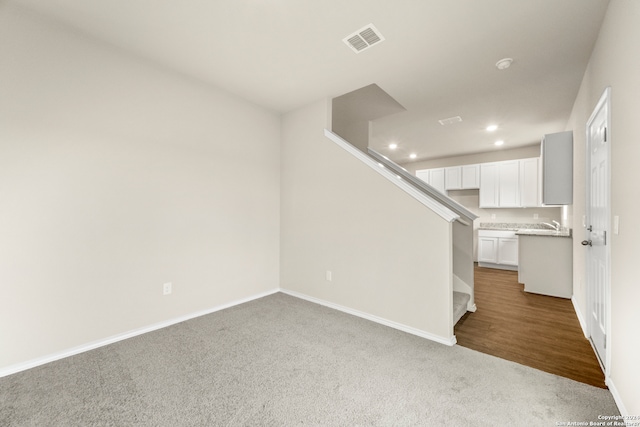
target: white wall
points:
(390, 256)
(496, 155)
(615, 62)
(115, 177)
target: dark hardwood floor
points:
(534, 330)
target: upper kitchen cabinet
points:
(470, 176)
(433, 177)
(510, 184)
(489, 185)
(500, 184)
(465, 177)
(530, 183)
(453, 178)
(557, 168)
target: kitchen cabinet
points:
(510, 184)
(470, 176)
(498, 249)
(530, 183)
(487, 249)
(500, 184)
(508, 250)
(436, 179)
(433, 177)
(547, 265)
(489, 185)
(465, 177)
(423, 174)
(453, 178)
(557, 168)
(505, 184)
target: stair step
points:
(460, 300)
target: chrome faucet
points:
(555, 225)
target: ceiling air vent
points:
(450, 121)
(364, 38)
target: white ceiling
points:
(438, 59)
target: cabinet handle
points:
(587, 243)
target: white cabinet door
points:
(530, 183)
(423, 174)
(508, 250)
(509, 184)
(489, 185)
(433, 177)
(488, 249)
(436, 179)
(470, 176)
(453, 178)
(498, 249)
(557, 168)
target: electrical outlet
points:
(166, 288)
(493, 216)
(535, 216)
(328, 276)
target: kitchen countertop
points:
(526, 229)
(563, 232)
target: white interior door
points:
(597, 216)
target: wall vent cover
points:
(450, 121)
(364, 38)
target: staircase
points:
(461, 219)
(460, 300)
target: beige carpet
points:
(281, 361)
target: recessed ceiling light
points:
(413, 155)
(492, 128)
(500, 142)
(504, 63)
(393, 146)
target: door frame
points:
(605, 100)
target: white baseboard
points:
(498, 266)
(616, 397)
(583, 324)
(12, 369)
(408, 329)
